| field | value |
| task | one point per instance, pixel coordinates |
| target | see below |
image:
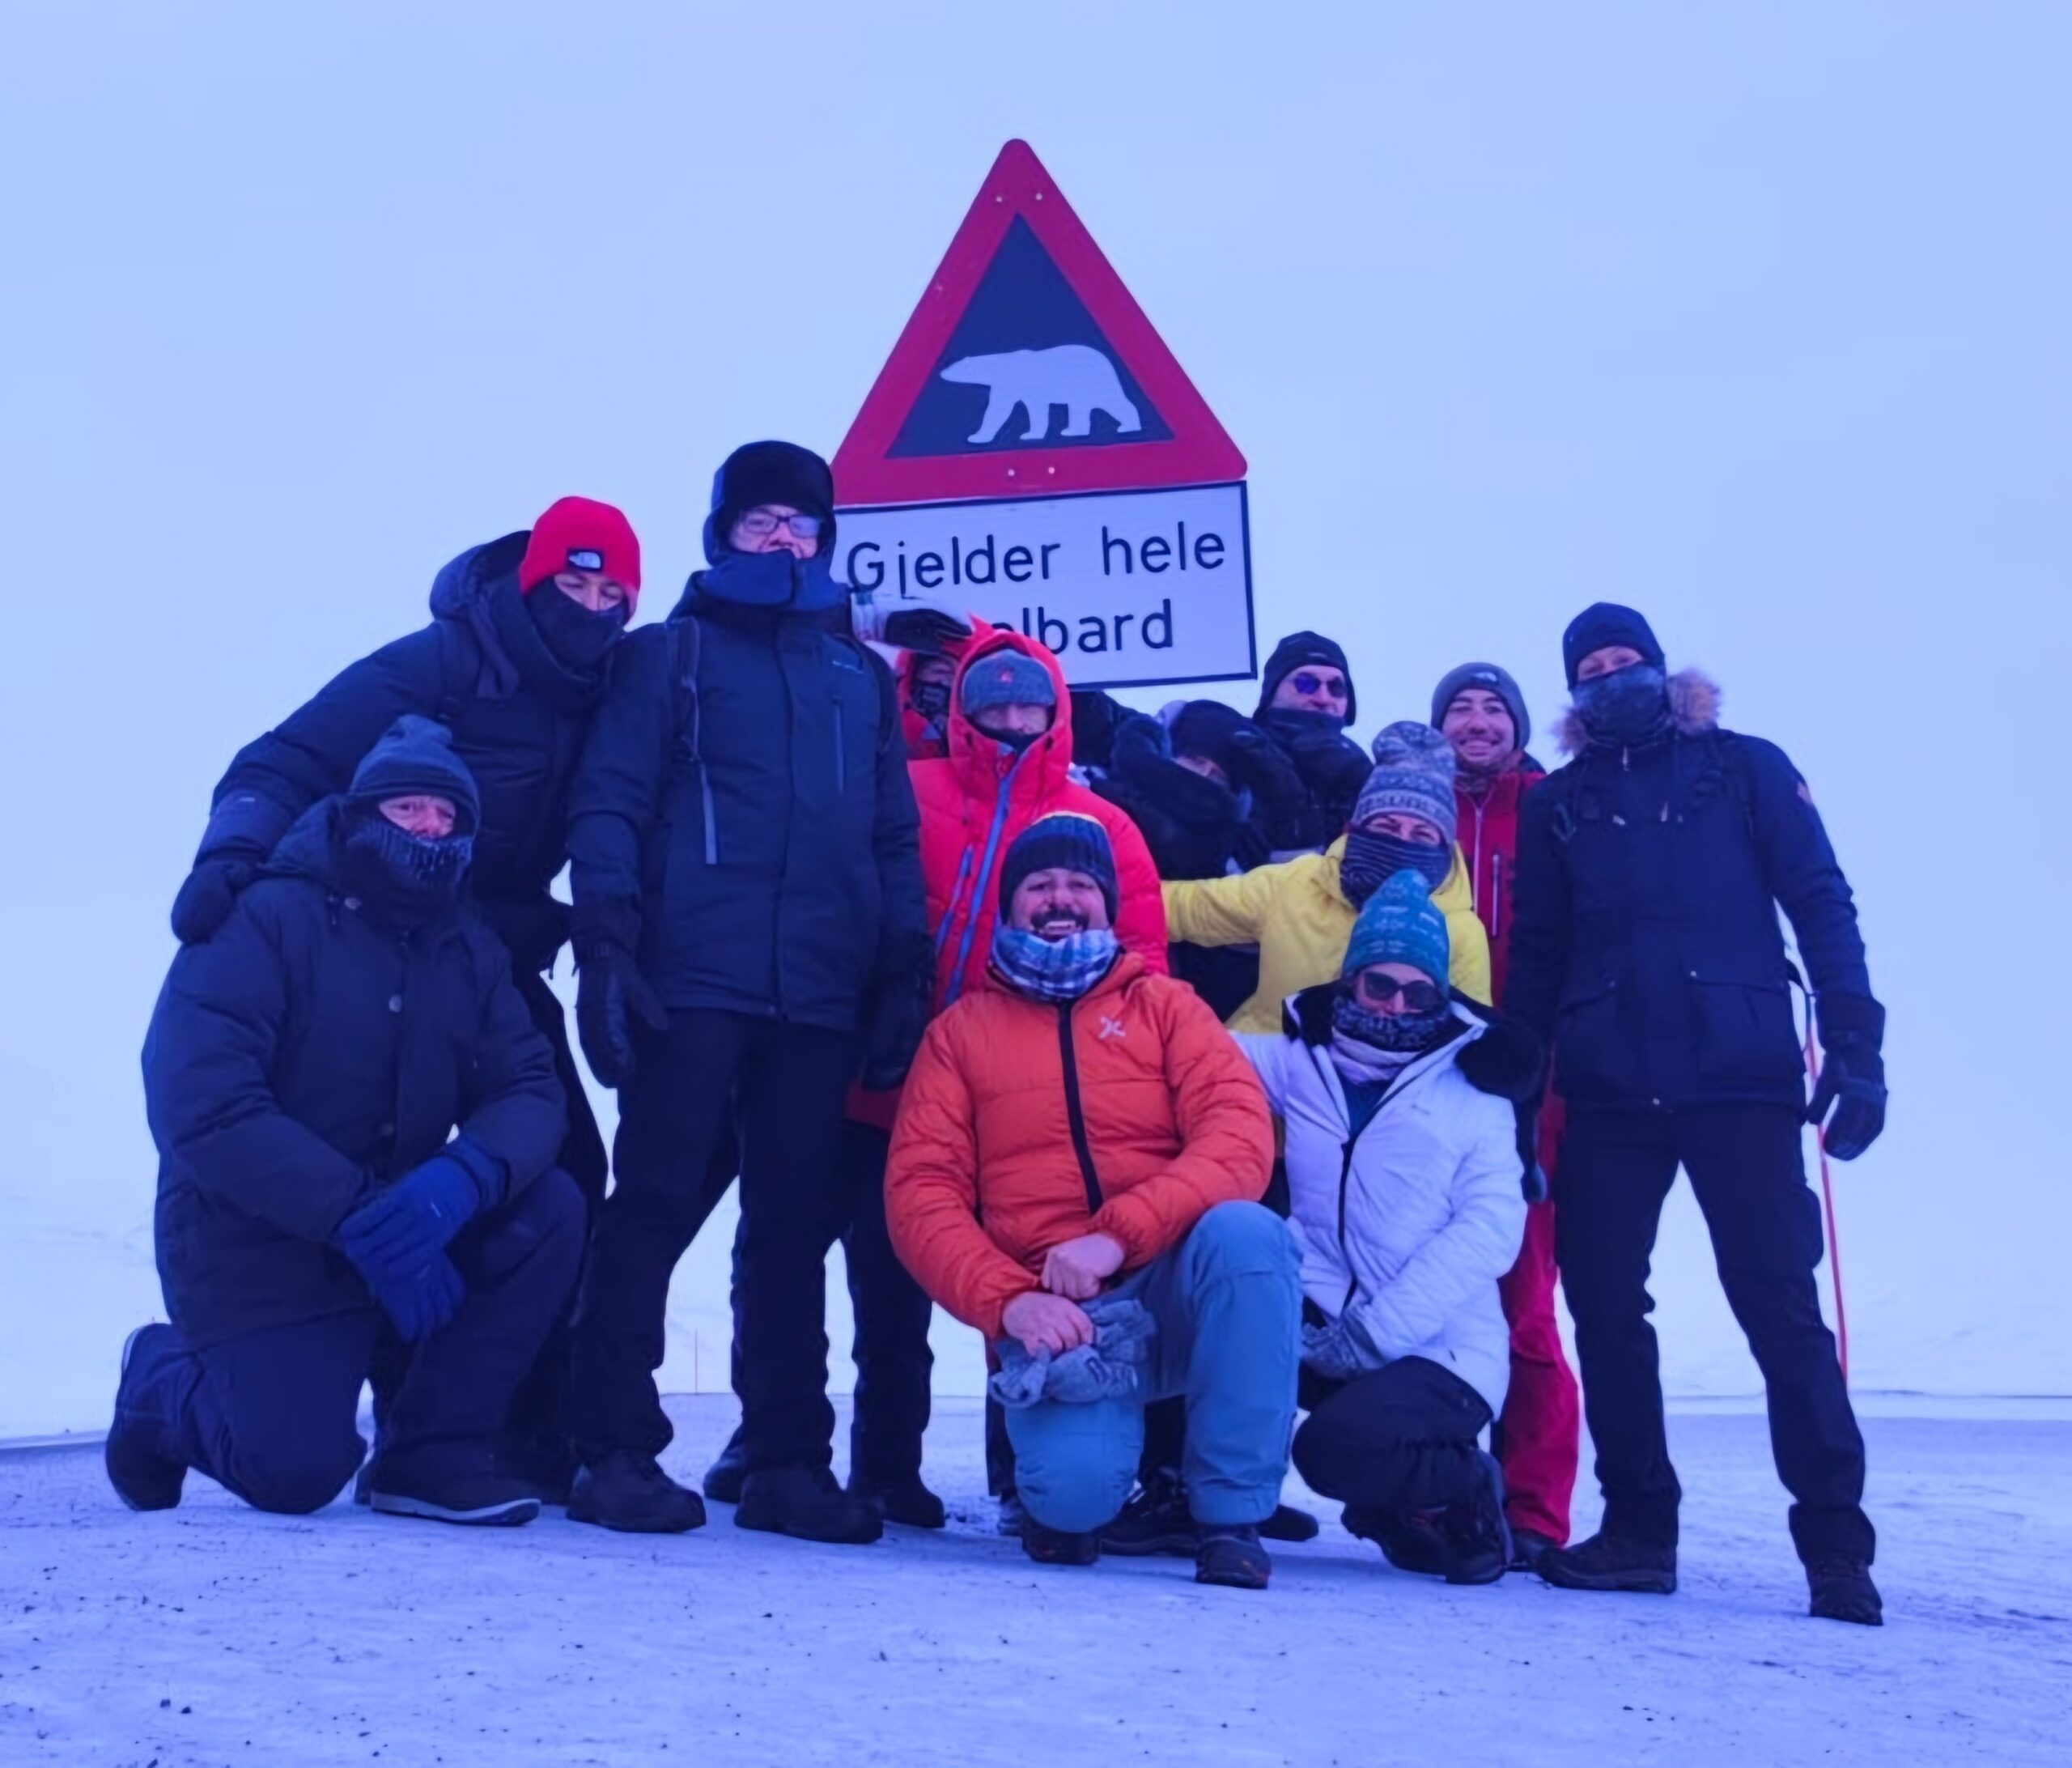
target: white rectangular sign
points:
(1130, 588)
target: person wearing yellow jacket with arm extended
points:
(1300, 913)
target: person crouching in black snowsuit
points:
(1646, 951)
(514, 663)
(751, 934)
(1306, 703)
(304, 1069)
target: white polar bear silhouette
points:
(1076, 376)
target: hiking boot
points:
(144, 1478)
(1230, 1555)
(806, 1503)
(1155, 1520)
(1056, 1546)
(1288, 1523)
(907, 1501)
(1411, 1542)
(1842, 1590)
(1012, 1518)
(1478, 1539)
(723, 1479)
(1529, 1547)
(1605, 1562)
(628, 1491)
(466, 1490)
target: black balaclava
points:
(579, 638)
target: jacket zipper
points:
(1073, 1112)
(1345, 1252)
(979, 885)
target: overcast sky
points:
(1754, 315)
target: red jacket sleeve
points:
(1226, 1134)
(932, 1189)
(1140, 908)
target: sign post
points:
(1032, 452)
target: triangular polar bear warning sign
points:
(1028, 371)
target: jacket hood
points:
(1499, 1057)
(1694, 703)
(310, 849)
(461, 589)
(979, 766)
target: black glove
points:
(1533, 1181)
(892, 1033)
(533, 929)
(206, 899)
(1851, 1075)
(927, 630)
(1333, 767)
(611, 995)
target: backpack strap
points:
(686, 642)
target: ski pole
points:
(1828, 1202)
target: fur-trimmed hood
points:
(1694, 704)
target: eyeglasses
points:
(1376, 989)
(1307, 682)
(761, 524)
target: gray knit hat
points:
(1006, 677)
(1413, 774)
(1491, 679)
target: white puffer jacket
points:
(1409, 1228)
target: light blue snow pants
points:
(1228, 1301)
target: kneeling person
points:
(1085, 1132)
(303, 1072)
(1407, 1191)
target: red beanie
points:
(579, 531)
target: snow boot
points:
(1842, 1590)
(723, 1479)
(1050, 1546)
(1230, 1555)
(1605, 1562)
(143, 1477)
(1155, 1520)
(462, 1488)
(907, 1501)
(1478, 1538)
(1529, 1547)
(1411, 1542)
(628, 1491)
(806, 1503)
(1288, 1523)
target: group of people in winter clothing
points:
(1200, 1062)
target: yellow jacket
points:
(1300, 920)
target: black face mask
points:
(413, 878)
(1296, 723)
(1370, 861)
(1628, 706)
(578, 638)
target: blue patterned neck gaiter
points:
(1371, 860)
(1397, 1035)
(1053, 970)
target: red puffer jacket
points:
(1488, 835)
(974, 802)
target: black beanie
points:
(1602, 623)
(1291, 654)
(1209, 728)
(1065, 839)
(415, 755)
(769, 472)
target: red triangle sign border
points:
(1199, 453)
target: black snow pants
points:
(1399, 1439)
(784, 1086)
(1748, 1169)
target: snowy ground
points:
(212, 1635)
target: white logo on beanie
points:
(587, 558)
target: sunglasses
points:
(760, 524)
(1376, 989)
(1309, 681)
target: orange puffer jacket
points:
(1128, 1112)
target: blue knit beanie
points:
(415, 755)
(1006, 677)
(1400, 924)
(1413, 774)
(1064, 838)
(1607, 622)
